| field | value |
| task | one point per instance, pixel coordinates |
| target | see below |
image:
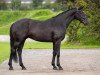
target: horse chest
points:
(58, 35)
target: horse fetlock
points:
(55, 68)
(60, 68)
(23, 68)
(53, 64)
(11, 68)
(58, 65)
(9, 63)
(21, 64)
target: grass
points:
(9, 17)
(45, 45)
(5, 49)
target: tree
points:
(61, 4)
(36, 3)
(15, 4)
(91, 33)
(3, 5)
(97, 2)
(62, 1)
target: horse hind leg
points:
(13, 53)
(19, 50)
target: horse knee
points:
(13, 50)
(54, 52)
(52, 64)
(58, 55)
(19, 52)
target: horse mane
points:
(64, 12)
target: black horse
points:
(51, 30)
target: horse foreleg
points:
(58, 60)
(53, 60)
(56, 52)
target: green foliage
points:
(15, 4)
(85, 34)
(3, 5)
(97, 2)
(81, 3)
(42, 13)
(93, 30)
(36, 3)
(72, 31)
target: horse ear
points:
(80, 8)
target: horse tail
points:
(13, 45)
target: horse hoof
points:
(55, 68)
(23, 68)
(60, 68)
(11, 69)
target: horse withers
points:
(51, 30)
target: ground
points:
(73, 61)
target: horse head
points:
(80, 15)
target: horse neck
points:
(66, 18)
(69, 20)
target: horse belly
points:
(42, 37)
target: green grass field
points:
(5, 49)
(45, 45)
(9, 17)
